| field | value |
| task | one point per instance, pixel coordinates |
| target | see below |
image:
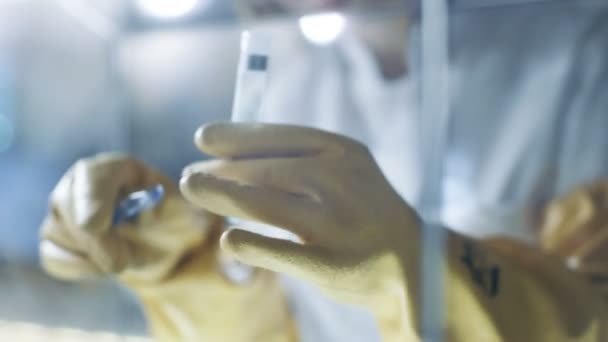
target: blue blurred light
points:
(7, 133)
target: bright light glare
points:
(168, 9)
(322, 28)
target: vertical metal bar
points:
(435, 124)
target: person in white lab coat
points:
(521, 94)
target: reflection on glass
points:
(522, 172)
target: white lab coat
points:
(529, 120)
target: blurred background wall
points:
(79, 77)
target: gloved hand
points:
(360, 238)
(168, 256)
(78, 241)
(575, 227)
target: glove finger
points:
(566, 223)
(105, 253)
(64, 264)
(287, 174)
(96, 189)
(299, 214)
(277, 255)
(593, 242)
(247, 140)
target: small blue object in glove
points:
(136, 203)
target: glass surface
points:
(479, 129)
(522, 110)
(68, 92)
(527, 97)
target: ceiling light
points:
(322, 28)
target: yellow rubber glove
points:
(168, 256)
(575, 228)
(326, 189)
(361, 240)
